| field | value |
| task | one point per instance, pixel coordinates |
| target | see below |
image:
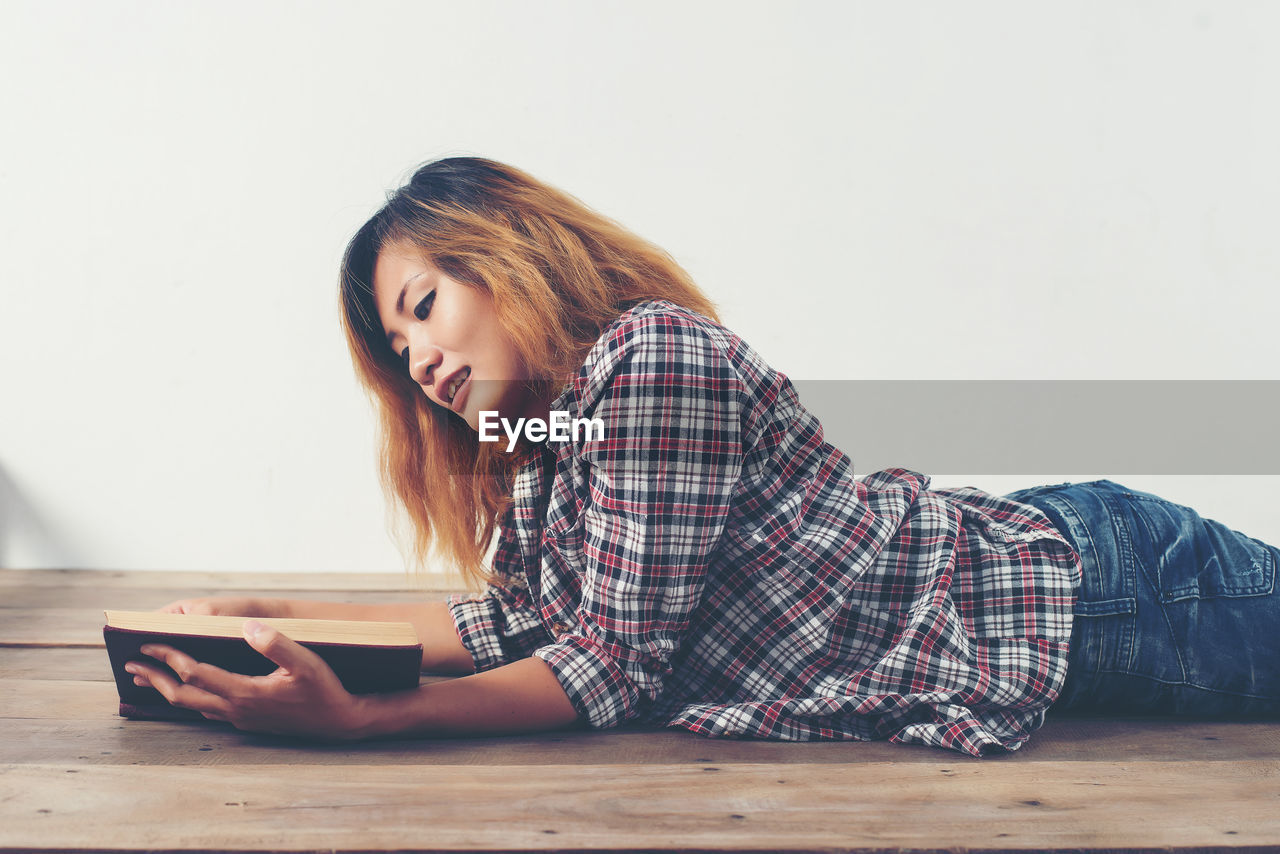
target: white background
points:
(989, 190)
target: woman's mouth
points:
(455, 386)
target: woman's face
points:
(449, 337)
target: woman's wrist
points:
(391, 713)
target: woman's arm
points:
(524, 696)
(304, 697)
(442, 650)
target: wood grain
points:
(259, 581)
(56, 663)
(74, 776)
(28, 708)
(82, 626)
(864, 807)
(147, 598)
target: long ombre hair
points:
(558, 273)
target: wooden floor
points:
(76, 777)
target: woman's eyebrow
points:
(400, 304)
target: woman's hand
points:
(302, 697)
(234, 606)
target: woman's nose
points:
(423, 361)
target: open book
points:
(366, 656)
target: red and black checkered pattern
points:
(714, 564)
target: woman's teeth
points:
(457, 384)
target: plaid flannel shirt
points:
(712, 563)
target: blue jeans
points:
(1176, 614)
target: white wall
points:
(986, 190)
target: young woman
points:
(702, 558)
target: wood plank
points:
(82, 627)
(49, 721)
(260, 581)
(67, 700)
(148, 598)
(52, 627)
(989, 806)
(111, 740)
(44, 663)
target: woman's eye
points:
(424, 308)
(420, 311)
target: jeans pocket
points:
(1177, 613)
(1197, 558)
(1207, 638)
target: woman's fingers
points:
(202, 687)
(187, 606)
(184, 695)
(231, 606)
(303, 696)
(190, 671)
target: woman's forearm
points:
(442, 650)
(523, 696)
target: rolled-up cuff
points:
(494, 635)
(603, 695)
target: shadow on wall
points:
(27, 539)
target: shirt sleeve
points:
(500, 625)
(657, 497)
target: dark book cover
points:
(362, 669)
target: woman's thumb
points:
(271, 643)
